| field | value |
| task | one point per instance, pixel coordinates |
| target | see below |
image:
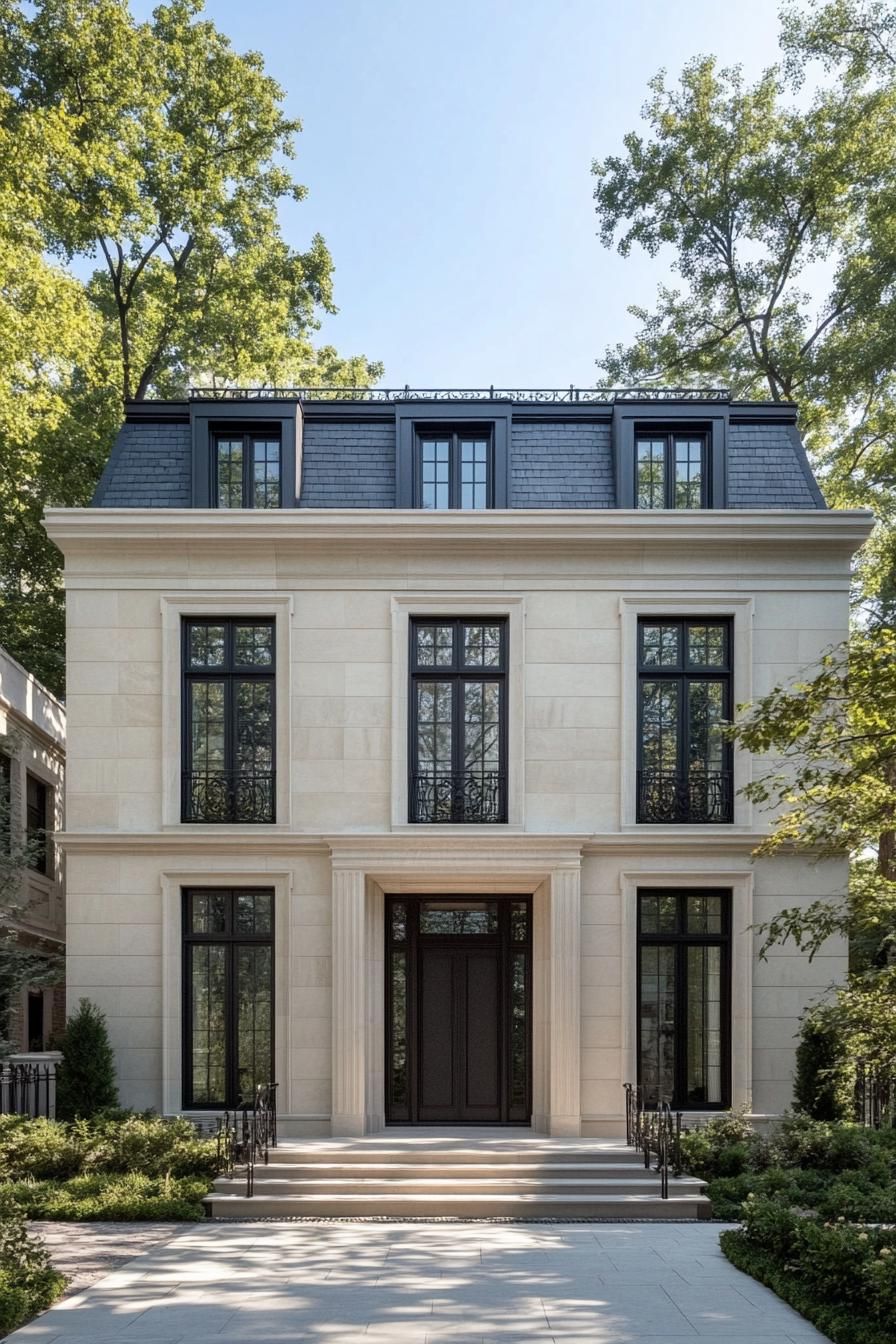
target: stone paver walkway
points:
(340, 1283)
(89, 1251)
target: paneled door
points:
(458, 1010)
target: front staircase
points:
(530, 1177)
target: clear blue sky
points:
(447, 152)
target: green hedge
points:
(28, 1282)
(125, 1197)
(833, 1169)
(115, 1166)
(840, 1276)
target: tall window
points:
(246, 472)
(5, 803)
(684, 997)
(670, 471)
(37, 822)
(228, 723)
(454, 471)
(684, 700)
(458, 716)
(228, 974)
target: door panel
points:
(481, 1074)
(436, 1047)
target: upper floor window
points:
(670, 471)
(246, 471)
(458, 713)
(684, 701)
(454, 470)
(228, 720)
(38, 797)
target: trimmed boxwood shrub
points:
(85, 1077)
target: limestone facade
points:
(341, 587)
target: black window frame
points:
(682, 809)
(233, 939)
(459, 676)
(681, 940)
(230, 673)
(670, 437)
(37, 827)
(456, 435)
(248, 437)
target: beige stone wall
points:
(336, 605)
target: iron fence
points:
(28, 1089)
(550, 395)
(875, 1094)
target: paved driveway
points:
(339, 1283)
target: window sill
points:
(457, 827)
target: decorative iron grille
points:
(668, 796)
(221, 796)
(569, 394)
(458, 796)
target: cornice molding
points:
(71, 529)
(493, 849)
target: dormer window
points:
(671, 471)
(246, 471)
(454, 470)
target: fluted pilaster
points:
(565, 997)
(349, 1002)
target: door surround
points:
(367, 868)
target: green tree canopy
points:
(763, 194)
(159, 157)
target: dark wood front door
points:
(458, 1010)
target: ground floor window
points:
(684, 997)
(228, 983)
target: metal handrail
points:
(248, 1133)
(653, 1130)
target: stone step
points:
(268, 1183)
(450, 1171)
(363, 1155)
(446, 1205)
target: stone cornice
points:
(405, 849)
(72, 529)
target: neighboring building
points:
(395, 763)
(32, 769)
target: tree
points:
(834, 792)
(749, 187)
(160, 151)
(157, 155)
(20, 964)
(85, 1077)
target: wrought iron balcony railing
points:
(570, 394)
(667, 796)
(221, 796)
(459, 796)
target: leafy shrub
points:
(40, 1148)
(124, 1197)
(85, 1077)
(803, 1142)
(841, 1276)
(725, 1146)
(124, 1142)
(28, 1282)
(824, 1078)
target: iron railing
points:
(228, 796)
(28, 1089)
(654, 1131)
(459, 796)
(875, 1094)
(671, 797)
(569, 394)
(247, 1134)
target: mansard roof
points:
(559, 448)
